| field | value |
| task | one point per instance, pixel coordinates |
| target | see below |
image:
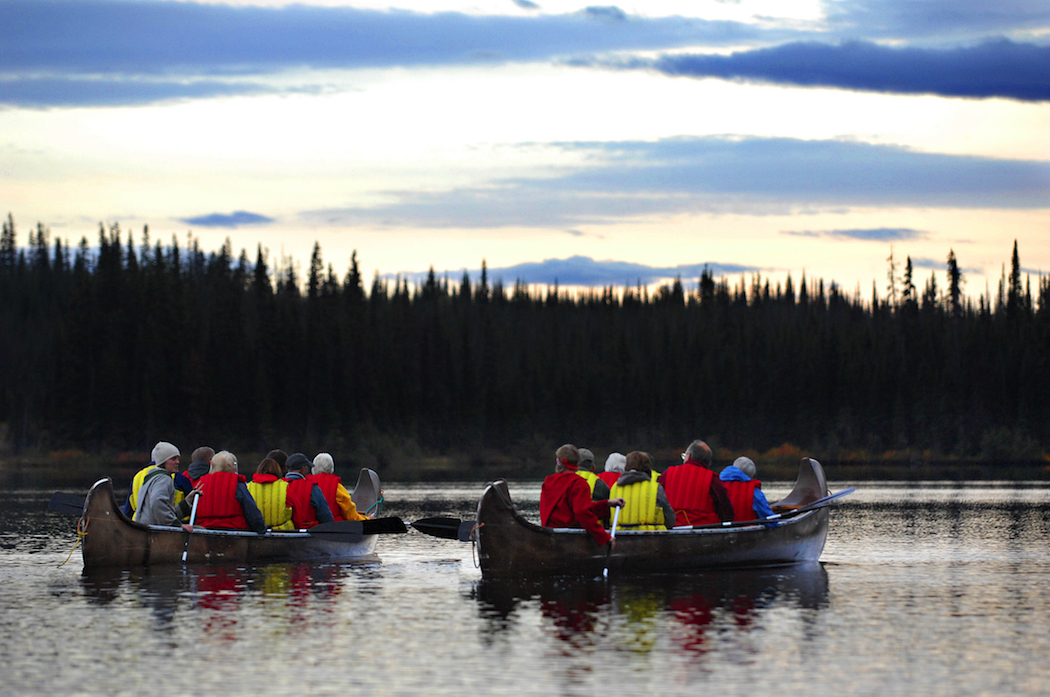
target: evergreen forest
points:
(118, 345)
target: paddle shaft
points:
(612, 536)
(193, 517)
(819, 503)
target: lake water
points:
(923, 589)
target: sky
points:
(558, 142)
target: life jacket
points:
(640, 511)
(271, 495)
(298, 497)
(329, 483)
(688, 489)
(609, 477)
(742, 495)
(136, 484)
(590, 477)
(218, 506)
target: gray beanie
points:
(164, 451)
(586, 459)
(745, 465)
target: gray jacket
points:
(156, 498)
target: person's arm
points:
(252, 514)
(665, 506)
(317, 500)
(346, 504)
(720, 496)
(762, 507)
(588, 512)
(601, 491)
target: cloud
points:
(945, 20)
(993, 69)
(163, 37)
(867, 235)
(637, 180)
(231, 220)
(58, 92)
(585, 271)
(526, 4)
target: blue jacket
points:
(734, 474)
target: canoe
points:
(508, 545)
(111, 539)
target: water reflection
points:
(583, 613)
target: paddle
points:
(819, 503)
(66, 504)
(371, 526)
(193, 517)
(612, 534)
(447, 528)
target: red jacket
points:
(565, 502)
(688, 489)
(298, 496)
(218, 506)
(328, 484)
(742, 495)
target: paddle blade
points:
(383, 526)
(66, 504)
(447, 528)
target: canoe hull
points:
(511, 546)
(111, 539)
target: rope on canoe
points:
(82, 526)
(377, 505)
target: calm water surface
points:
(923, 589)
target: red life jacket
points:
(303, 513)
(609, 477)
(329, 483)
(742, 494)
(218, 506)
(688, 489)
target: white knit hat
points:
(164, 451)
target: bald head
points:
(699, 450)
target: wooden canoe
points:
(111, 539)
(511, 546)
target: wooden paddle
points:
(66, 504)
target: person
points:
(614, 467)
(745, 492)
(335, 494)
(161, 456)
(645, 504)
(565, 499)
(200, 463)
(308, 503)
(270, 492)
(156, 495)
(225, 502)
(585, 468)
(280, 457)
(697, 496)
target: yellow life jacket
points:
(271, 498)
(136, 484)
(590, 477)
(640, 511)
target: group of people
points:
(685, 495)
(286, 492)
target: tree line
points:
(119, 345)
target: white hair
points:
(224, 461)
(616, 462)
(323, 464)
